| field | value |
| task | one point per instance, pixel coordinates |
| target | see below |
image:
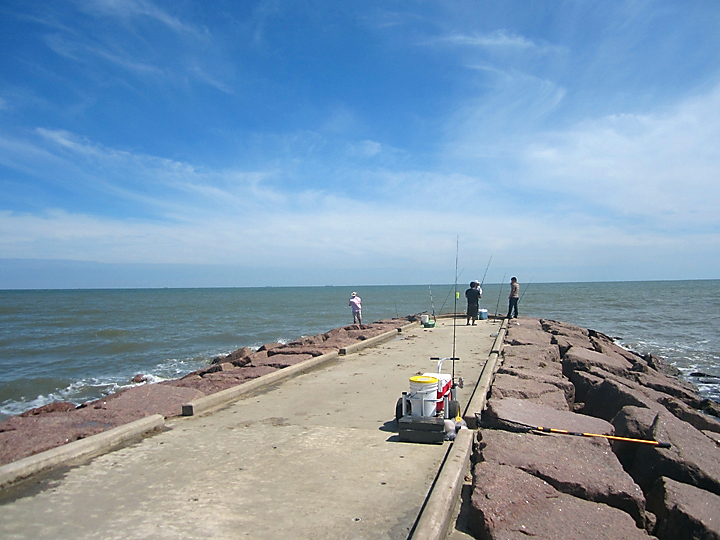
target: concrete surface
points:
(77, 451)
(314, 456)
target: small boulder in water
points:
(139, 378)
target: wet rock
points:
(660, 365)
(509, 503)
(582, 467)
(671, 386)
(708, 406)
(605, 345)
(139, 378)
(697, 419)
(236, 357)
(269, 346)
(684, 512)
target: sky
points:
(148, 143)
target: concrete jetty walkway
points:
(316, 456)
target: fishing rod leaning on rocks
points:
(519, 427)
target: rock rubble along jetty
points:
(532, 484)
(57, 424)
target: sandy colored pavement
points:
(316, 456)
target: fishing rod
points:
(486, 269)
(499, 293)
(526, 428)
(451, 290)
(431, 302)
(525, 290)
(457, 251)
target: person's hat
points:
(354, 294)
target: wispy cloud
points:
(495, 39)
(128, 9)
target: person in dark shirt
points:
(473, 295)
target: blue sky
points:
(186, 143)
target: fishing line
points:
(525, 290)
(499, 293)
(486, 270)
(450, 291)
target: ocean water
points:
(78, 345)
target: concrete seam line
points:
(370, 342)
(218, 399)
(78, 450)
(487, 375)
(434, 522)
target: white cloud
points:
(365, 148)
(661, 166)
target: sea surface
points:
(78, 345)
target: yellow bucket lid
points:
(424, 379)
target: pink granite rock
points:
(509, 412)
(580, 359)
(508, 503)
(582, 467)
(684, 512)
(692, 459)
(58, 406)
(529, 388)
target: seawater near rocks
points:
(54, 425)
(556, 486)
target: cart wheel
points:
(453, 409)
(398, 409)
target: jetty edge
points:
(61, 433)
(551, 374)
(316, 456)
(530, 483)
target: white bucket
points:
(424, 318)
(423, 395)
